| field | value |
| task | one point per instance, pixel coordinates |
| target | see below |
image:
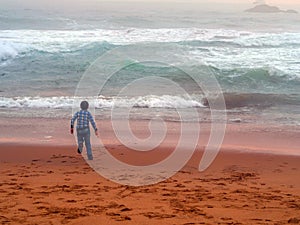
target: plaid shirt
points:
(83, 118)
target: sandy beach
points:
(47, 182)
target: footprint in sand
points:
(122, 218)
(294, 221)
(11, 174)
(152, 215)
(179, 186)
(118, 215)
(36, 160)
(277, 171)
(125, 209)
(226, 218)
(22, 210)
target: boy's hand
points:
(72, 130)
(96, 133)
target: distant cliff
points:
(263, 8)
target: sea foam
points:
(150, 101)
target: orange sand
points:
(42, 183)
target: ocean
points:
(254, 57)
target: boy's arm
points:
(91, 119)
(73, 121)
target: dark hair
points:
(84, 105)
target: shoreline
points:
(244, 137)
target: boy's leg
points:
(88, 145)
(80, 141)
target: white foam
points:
(9, 50)
(150, 101)
(165, 101)
(269, 40)
(70, 40)
(14, 41)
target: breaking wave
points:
(150, 101)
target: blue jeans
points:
(83, 136)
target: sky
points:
(271, 2)
(38, 2)
(80, 3)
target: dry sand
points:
(48, 183)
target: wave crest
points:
(9, 50)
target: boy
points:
(83, 118)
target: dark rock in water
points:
(264, 8)
(291, 11)
(2, 74)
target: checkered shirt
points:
(83, 118)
